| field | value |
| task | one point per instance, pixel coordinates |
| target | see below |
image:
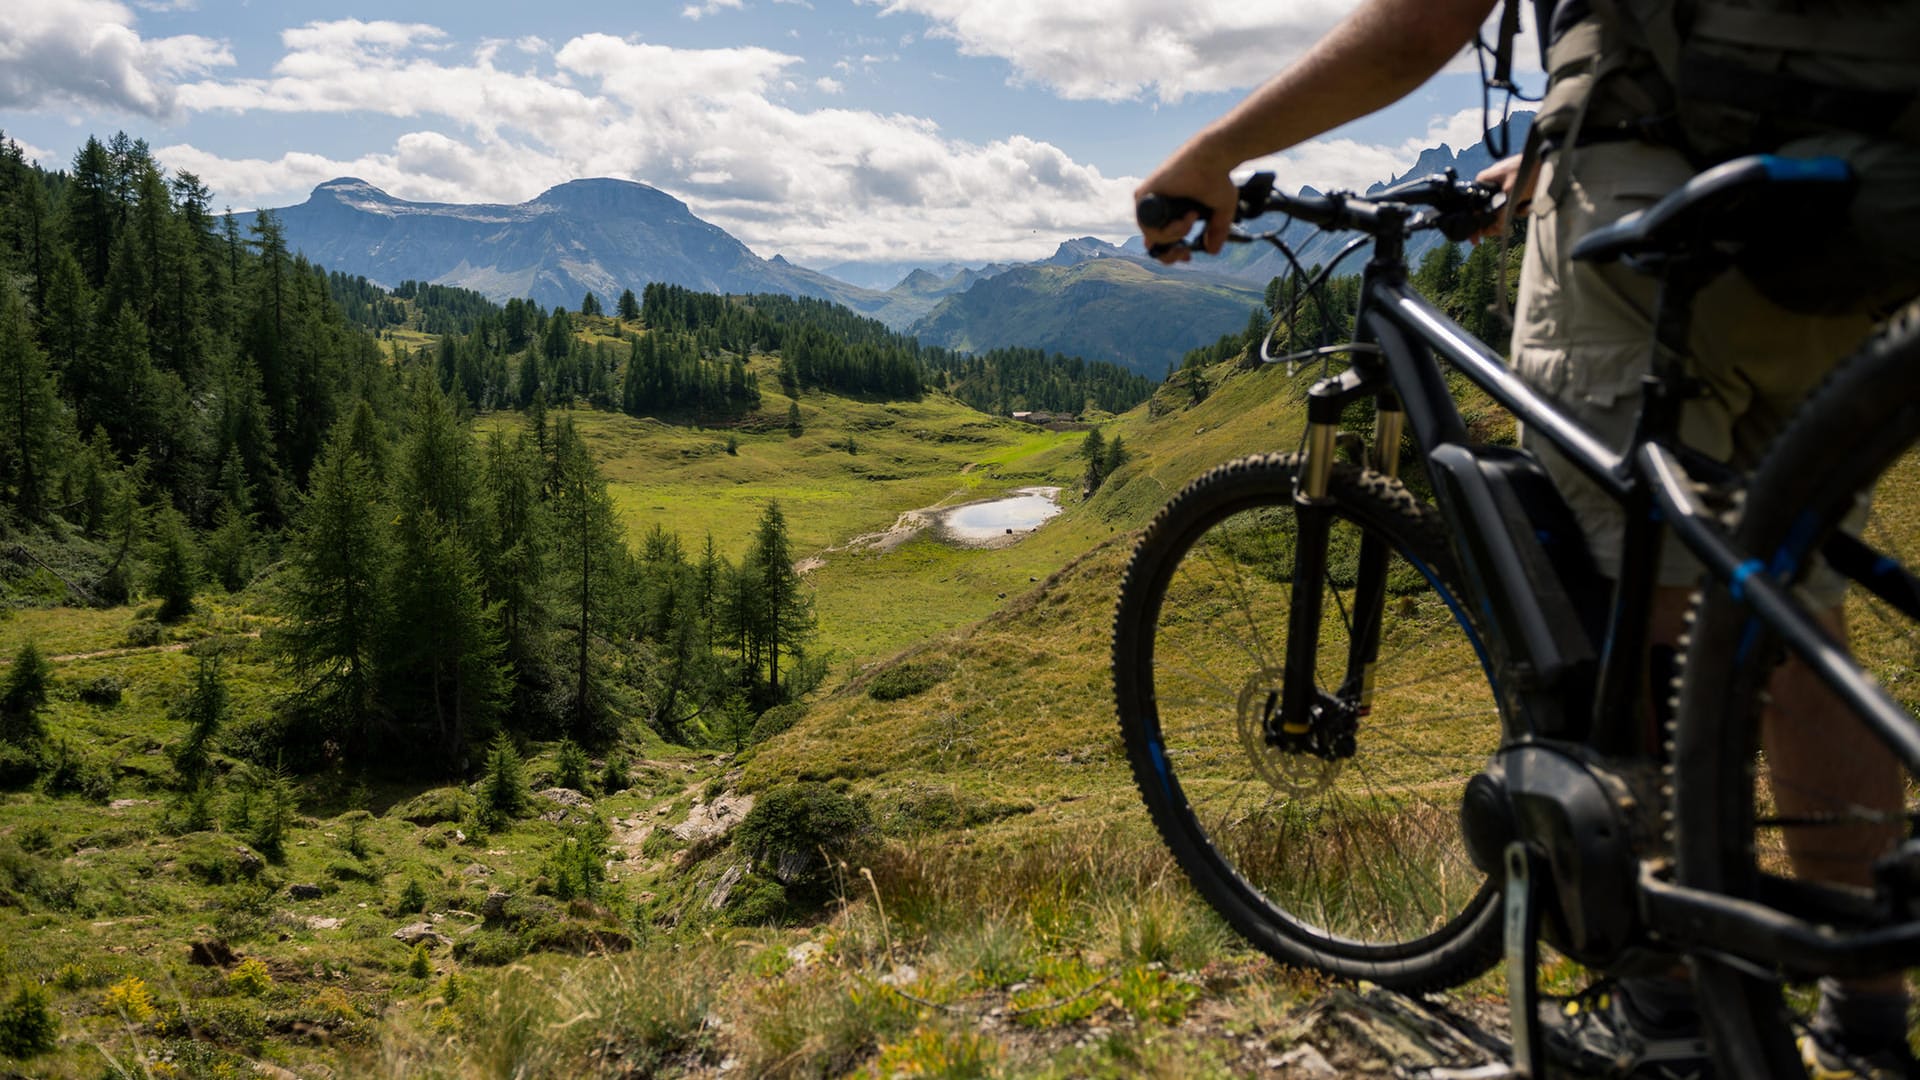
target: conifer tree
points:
(443, 655)
(30, 411)
(66, 320)
(586, 548)
(1116, 455)
(176, 569)
(333, 592)
(513, 567)
(629, 308)
(23, 695)
(1094, 450)
(784, 619)
(230, 547)
(205, 710)
(92, 216)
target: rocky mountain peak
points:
(351, 188)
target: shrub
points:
(190, 811)
(490, 947)
(104, 691)
(615, 777)
(250, 978)
(757, 901)
(776, 720)
(576, 867)
(571, 766)
(19, 765)
(145, 633)
(329, 1003)
(420, 962)
(413, 898)
(28, 1026)
(262, 810)
(216, 860)
(433, 807)
(904, 681)
(79, 976)
(342, 870)
(69, 771)
(355, 842)
(130, 1000)
(791, 826)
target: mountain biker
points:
(1581, 336)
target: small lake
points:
(1018, 513)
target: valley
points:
(409, 685)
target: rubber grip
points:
(1159, 211)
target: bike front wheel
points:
(1352, 861)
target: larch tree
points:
(586, 552)
(30, 411)
(785, 616)
(333, 592)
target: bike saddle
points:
(1727, 204)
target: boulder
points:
(713, 820)
(415, 933)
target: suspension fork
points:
(1370, 590)
(1291, 725)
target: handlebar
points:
(1462, 207)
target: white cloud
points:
(86, 53)
(711, 126)
(705, 124)
(829, 86)
(1164, 49)
(43, 158)
(711, 7)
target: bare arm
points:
(1376, 56)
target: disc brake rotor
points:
(1295, 774)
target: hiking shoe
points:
(1826, 1059)
(1598, 1033)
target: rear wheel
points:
(1351, 860)
(1736, 813)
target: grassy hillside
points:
(1012, 863)
(992, 900)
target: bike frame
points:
(1565, 679)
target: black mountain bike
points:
(1375, 729)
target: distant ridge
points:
(603, 235)
(1088, 298)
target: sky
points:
(823, 130)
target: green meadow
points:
(949, 872)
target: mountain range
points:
(1089, 298)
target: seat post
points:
(1618, 712)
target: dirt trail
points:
(129, 650)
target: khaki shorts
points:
(1583, 335)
